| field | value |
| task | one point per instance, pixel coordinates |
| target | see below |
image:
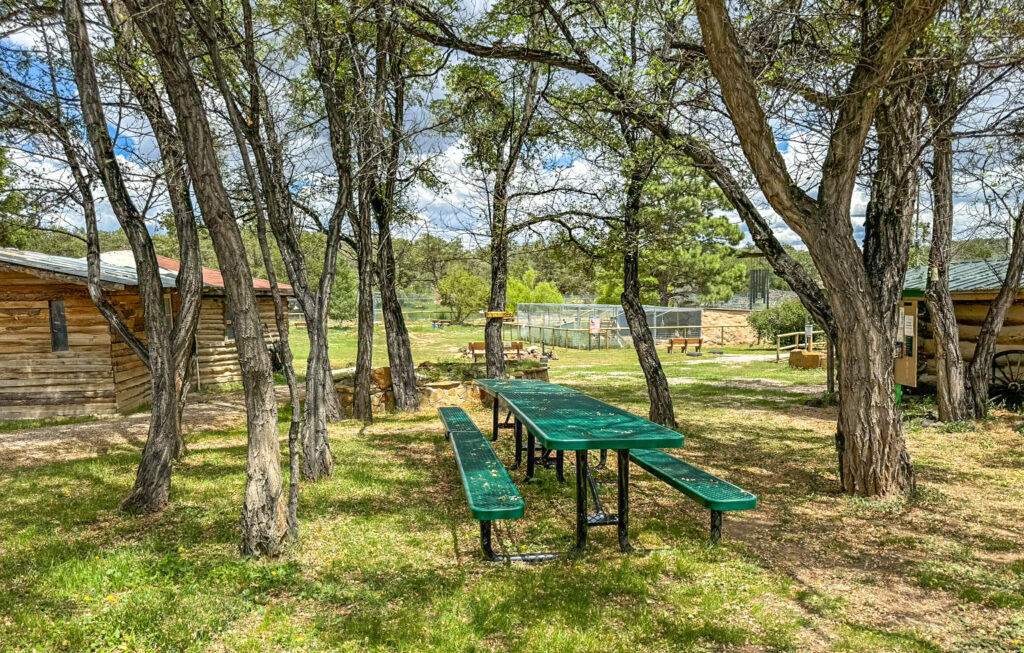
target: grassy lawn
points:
(389, 558)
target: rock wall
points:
(740, 334)
(463, 394)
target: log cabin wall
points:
(131, 377)
(217, 353)
(37, 382)
(970, 313)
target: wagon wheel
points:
(1007, 385)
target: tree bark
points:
(403, 370)
(661, 410)
(264, 522)
(949, 363)
(153, 477)
(493, 338)
(979, 371)
(361, 407)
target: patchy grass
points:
(10, 426)
(389, 559)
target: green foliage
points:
(526, 290)
(782, 318)
(463, 293)
(686, 246)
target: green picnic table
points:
(566, 420)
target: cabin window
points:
(169, 312)
(229, 322)
(58, 326)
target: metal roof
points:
(984, 275)
(74, 267)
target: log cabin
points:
(973, 285)
(59, 356)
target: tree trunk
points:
(264, 525)
(493, 338)
(361, 407)
(403, 370)
(873, 456)
(317, 461)
(646, 351)
(979, 372)
(949, 363)
(153, 478)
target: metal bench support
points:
(716, 526)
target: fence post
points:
(778, 348)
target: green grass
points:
(13, 425)
(388, 558)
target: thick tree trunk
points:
(979, 372)
(646, 351)
(264, 525)
(873, 456)
(317, 461)
(495, 348)
(949, 362)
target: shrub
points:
(463, 293)
(784, 318)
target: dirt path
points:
(90, 439)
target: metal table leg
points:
(582, 471)
(494, 419)
(530, 459)
(517, 429)
(560, 465)
(623, 522)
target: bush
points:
(463, 293)
(784, 318)
(526, 290)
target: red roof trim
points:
(214, 279)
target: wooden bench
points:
(440, 324)
(713, 493)
(478, 350)
(514, 350)
(489, 489)
(683, 343)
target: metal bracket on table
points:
(485, 544)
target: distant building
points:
(973, 285)
(60, 357)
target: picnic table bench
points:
(713, 493)
(683, 343)
(561, 419)
(440, 323)
(489, 489)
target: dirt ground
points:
(90, 439)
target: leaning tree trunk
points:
(264, 522)
(493, 338)
(153, 477)
(949, 362)
(646, 351)
(979, 372)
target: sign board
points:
(501, 314)
(905, 348)
(595, 326)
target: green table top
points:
(567, 420)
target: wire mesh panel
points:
(598, 326)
